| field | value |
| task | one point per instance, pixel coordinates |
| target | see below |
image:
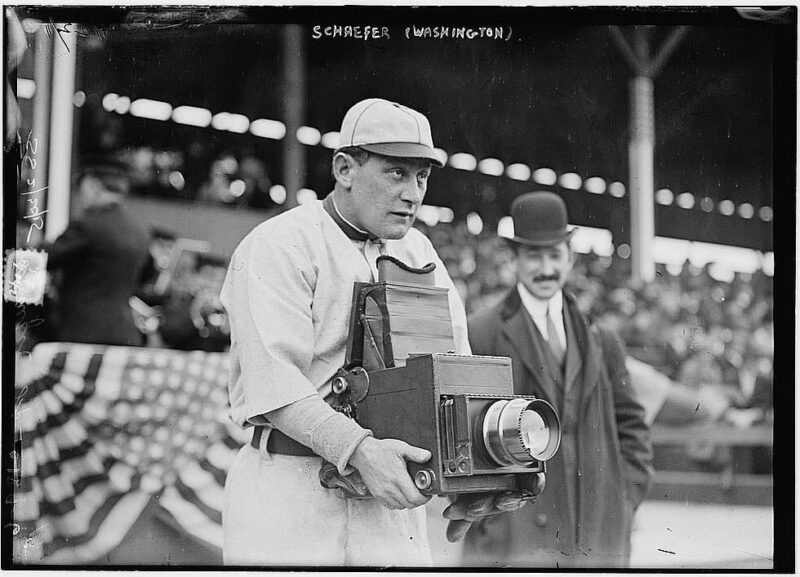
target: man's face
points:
(543, 271)
(384, 194)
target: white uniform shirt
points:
(288, 294)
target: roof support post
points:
(640, 165)
(294, 111)
(641, 146)
(61, 125)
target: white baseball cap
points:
(388, 128)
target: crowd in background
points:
(695, 329)
(201, 172)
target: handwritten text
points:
(60, 29)
(28, 149)
(357, 32)
(458, 32)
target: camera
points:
(403, 381)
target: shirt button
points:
(540, 520)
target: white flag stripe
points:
(72, 382)
(56, 489)
(110, 533)
(109, 378)
(65, 393)
(42, 356)
(220, 456)
(204, 485)
(78, 358)
(191, 518)
(76, 522)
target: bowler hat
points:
(540, 219)
(388, 128)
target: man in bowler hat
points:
(603, 468)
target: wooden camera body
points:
(404, 382)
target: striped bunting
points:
(104, 431)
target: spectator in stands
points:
(604, 466)
(101, 256)
(193, 318)
(288, 296)
(217, 188)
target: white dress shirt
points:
(538, 310)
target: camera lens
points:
(521, 431)
(533, 432)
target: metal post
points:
(40, 123)
(61, 122)
(640, 155)
(642, 143)
(294, 106)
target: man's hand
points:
(382, 465)
(469, 508)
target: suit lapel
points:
(587, 350)
(574, 360)
(518, 331)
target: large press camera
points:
(402, 380)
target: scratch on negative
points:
(665, 551)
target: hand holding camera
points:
(469, 508)
(383, 469)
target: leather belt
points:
(280, 444)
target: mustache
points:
(545, 277)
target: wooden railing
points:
(725, 486)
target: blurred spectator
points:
(184, 296)
(241, 181)
(196, 172)
(219, 185)
(101, 257)
(194, 319)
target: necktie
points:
(552, 340)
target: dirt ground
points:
(668, 535)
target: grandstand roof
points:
(554, 94)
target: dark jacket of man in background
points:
(602, 469)
(101, 256)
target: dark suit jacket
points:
(102, 256)
(603, 467)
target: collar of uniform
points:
(353, 233)
(537, 308)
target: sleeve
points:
(73, 243)
(632, 430)
(312, 422)
(268, 296)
